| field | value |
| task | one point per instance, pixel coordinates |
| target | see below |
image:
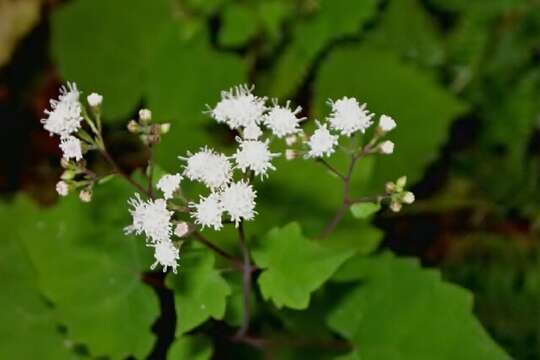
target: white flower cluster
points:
(346, 118)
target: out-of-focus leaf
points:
(293, 266)
(422, 109)
(364, 210)
(190, 348)
(239, 25)
(17, 18)
(92, 272)
(28, 329)
(188, 75)
(400, 310)
(332, 20)
(199, 290)
(106, 46)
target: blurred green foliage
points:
(74, 280)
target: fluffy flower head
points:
(254, 155)
(151, 218)
(71, 148)
(322, 142)
(282, 121)
(168, 184)
(64, 118)
(207, 212)
(238, 107)
(238, 200)
(166, 255)
(211, 168)
(348, 116)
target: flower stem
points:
(246, 281)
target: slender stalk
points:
(246, 281)
(237, 263)
(331, 168)
(122, 173)
(150, 170)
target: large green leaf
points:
(422, 109)
(293, 266)
(333, 20)
(200, 292)
(106, 46)
(400, 311)
(92, 272)
(188, 75)
(28, 329)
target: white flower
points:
(348, 116)
(252, 132)
(64, 118)
(145, 115)
(181, 229)
(238, 107)
(254, 155)
(282, 121)
(166, 254)
(208, 211)
(71, 148)
(94, 99)
(408, 197)
(62, 188)
(322, 143)
(168, 184)
(151, 218)
(387, 147)
(239, 201)
(85, 195)
(209, 167)
(386, 123)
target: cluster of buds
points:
(76, 177)
(149, 133)
(397, 194)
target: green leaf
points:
(422, 109)
(364, 210)
(188, 75)
(106, 46)
(400, 311)
(92, 272)
(334, 19)
(200, 292)
(28, 329)
(238, 26)
(190, 348)
(293, 266)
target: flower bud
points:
(395, 206)
(68, 175)
(133, 127)
(408, 198)
(290, 154)
(145, 116)
(390, 187)
(62, 188)
(85, 195)
(165, 128)
(181, 229)
(291, 140)
(387, 147)
(401, 182)
(94, 100)
(386, 123)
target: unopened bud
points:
(291, 140)
(386, 123)
(290, 154)
(68, 175)
(165, 128)
(94, 100)
(145, 116)
(401, 182)
(85, 195)
(408, 198)
(62, 188)
(395, 206)
(387, 147)
(133, 127)
(181, 229)
(390, 187)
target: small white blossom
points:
(94, 99)
(211, 168)
(71, 148)
(181, 229)
(85, 195)
(238, 200)
(348, 116)
(322, 143)
(166, 255)
(151, 218)
(291, 140)
(282, 121)
(252, 132)
(145, 115)
(168, 184)
(408, 197)
(64, 118)
(62, 188)
(387, 147)
(290, 154)
(386, 123)
(254, 155)
(207, 212)
(238, 107)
